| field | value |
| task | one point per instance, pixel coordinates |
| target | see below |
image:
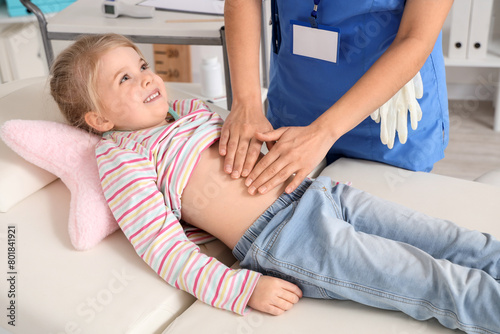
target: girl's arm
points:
(129, 183)
(300, 149)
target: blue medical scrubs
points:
(302, 88)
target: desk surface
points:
(85, 16)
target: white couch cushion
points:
(107, 289)
(491, 177)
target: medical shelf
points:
(492, 59)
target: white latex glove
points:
(393, 115)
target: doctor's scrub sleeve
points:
(302, 88)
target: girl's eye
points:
(144, 66)
(125, 78)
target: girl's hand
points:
(294, 150)
(274, 296)
(238, 143)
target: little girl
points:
(163, 179)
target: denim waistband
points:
(246, 241)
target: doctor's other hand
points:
(293, 150)
(393, 115)
(238, 143)
(274, 296)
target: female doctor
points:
(387, 62)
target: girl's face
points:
(132, 96)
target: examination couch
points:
(49, 286)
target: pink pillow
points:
(68, 153)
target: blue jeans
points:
(337, 242)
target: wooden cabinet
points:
(173, 62)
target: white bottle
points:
(211, 78)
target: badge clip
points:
(314, 15)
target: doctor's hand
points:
(274, 296)
(237, 142)
(393, 115)
(293, 150)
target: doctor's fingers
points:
(235, 143)
(224, 138)
(272, 170)
(274, 176)
(241, 156)
(297, 180)
(232, 147)
(248, 161)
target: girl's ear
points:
(98, 122)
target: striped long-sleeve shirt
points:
(143, 174)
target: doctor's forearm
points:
(420, 27)
(242, 24)
(391, 72)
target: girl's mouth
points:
(152, 97)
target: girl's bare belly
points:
(219, 205)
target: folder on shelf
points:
(459, 28)
(480, 19)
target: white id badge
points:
(319, 43)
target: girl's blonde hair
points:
(74, 73)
